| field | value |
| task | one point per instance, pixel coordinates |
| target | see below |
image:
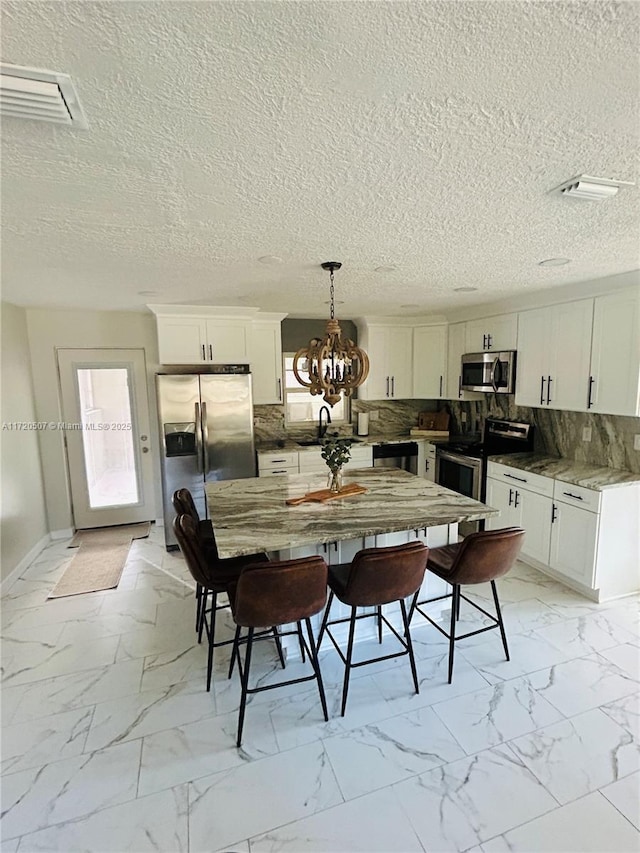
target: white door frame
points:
(68, 361)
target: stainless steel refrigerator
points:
(206, 432)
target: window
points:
(300, 407)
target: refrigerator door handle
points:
(205, 438)
(198, 441)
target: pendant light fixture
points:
(333, 365)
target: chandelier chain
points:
(331, 295)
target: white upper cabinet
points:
(429, 362)
(456, 348)
(390, 351)
(554, 346)
(492, 333)
(191, 334)
(615, 354)
(266, 359)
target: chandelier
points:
(333, 364)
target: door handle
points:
(575, 497)
(459, 386)
(441, 386)
(279, 393)
(387, 386)
(513, 477)
(210, 353)
(542, 390)
(204, 356)
(484, 342)
(494, 368)
(393, 386)
(554, 513)
(205, 436)
(589, 392)
(489, 341)
(510, 496)
(549, 381)
(517, 498)
(198, 440)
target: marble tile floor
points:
(110, 742)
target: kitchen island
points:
(252, 514)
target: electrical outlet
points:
(636, 442)
(374, 415)
(586, 433)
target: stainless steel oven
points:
(459, 473)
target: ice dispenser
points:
(180, 439)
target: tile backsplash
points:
(558, 433)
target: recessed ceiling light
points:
(554, 262)
(270, 259)
(386, 269)
(465, 289)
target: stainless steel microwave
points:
(489, 371)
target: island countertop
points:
(251, 515)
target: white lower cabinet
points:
(589, 539)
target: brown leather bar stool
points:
(183, 504)
(214, 576)
(479, 558)
(376, 576)
(278, 593)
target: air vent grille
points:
(34, 93)
(586, 187)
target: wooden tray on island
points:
(324, 495)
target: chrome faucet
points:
(322, 428)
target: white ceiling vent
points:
(37, 94)
(584, 186)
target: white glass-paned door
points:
(106, 429)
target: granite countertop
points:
(251, 515)
(594, 477)
(290, 444)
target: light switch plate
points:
(586, 433)
(636, 442)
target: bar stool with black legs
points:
(278, 593)
(183, 504)
(479, 558)
(376, 576)
(215, 576)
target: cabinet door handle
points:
(210, 353)
(441, 386)
(510, 496)
(276, 461)
(484, 342)
(575, 497)
(335, 546)
(513, 477)
(426, 465)
(204, 355)
(278, 472)
(489, 341)
(549, 381)
(542, 390)
(387, 386)
(517, 498)
(554, 513)
(393, 386)
(589, 400)
(459, 386)
(279, 392)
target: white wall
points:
(23, 520)
(50, 329)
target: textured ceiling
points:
(419, 135)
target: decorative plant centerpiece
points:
(335, 452)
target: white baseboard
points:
(67, 533)
(24, 563)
